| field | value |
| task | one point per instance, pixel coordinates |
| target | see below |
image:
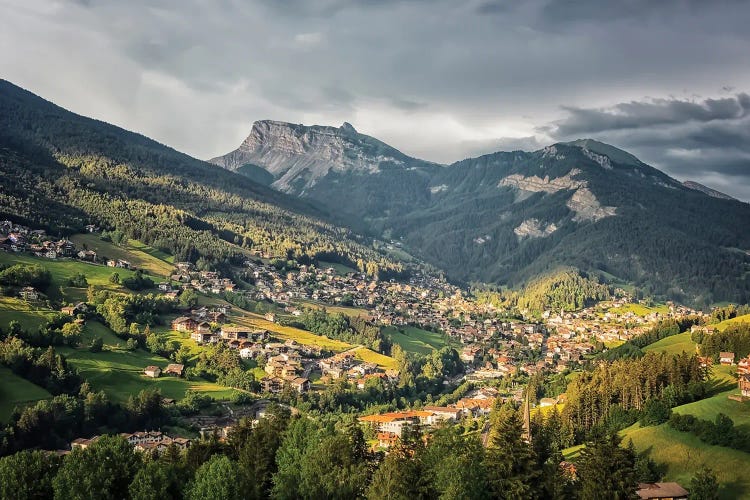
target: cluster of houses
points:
(389, 427)
(20, 238)
(141, 441)
(201, 281)
(173, 369)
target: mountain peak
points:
(613, 153)
(299, 156)
(347, 127)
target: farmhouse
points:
(661, 491)
(243, 333)
(203, 338)
(300, 384)
(743, 366)
(183, 324)
(83, 443)
(744, 383)
(28, 293)
(152, 371)
(726, 358)
(174, 369)
(88, 255)
(272, 384)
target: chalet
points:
(203, 338)
(300, 384)
(272, 384)
(243, 333)
(661, 491)
(203, 327)
(743, 366)
(175, 369)
(270, 317)
(28, 293)
(152, 371)
(183, 324)
(164, 286)
(386, 439)
(88, 255)
(744, 384)
(250, 352)
(726, 358)
(91, 228)
(83, 443)
(217, 317)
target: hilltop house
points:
(726, 358)
(152, 371)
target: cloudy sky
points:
(667, 80)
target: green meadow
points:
(416, 340)
(64, 269)
(17, 391)
(28, 315)
(149, 259)
(676, 344)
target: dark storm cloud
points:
(436, 78)
(650, 113)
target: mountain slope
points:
(316, 161)
(69, 171)
(707, 190)
(508, 217)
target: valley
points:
(503, 301)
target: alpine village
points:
(318, 315)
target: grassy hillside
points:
(17, 391)
(413, 339)
(120, 374)
(370, 356)
(726, 323)
(675, 344)
(64, 269)
(141, 256)
(29, 316)
(684, 453)
(640, 309)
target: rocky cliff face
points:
(299, 156)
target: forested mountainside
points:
(508, 217)
(63, 171)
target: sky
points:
(442, 80)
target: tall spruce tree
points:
(607, 470)
(512, 469)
